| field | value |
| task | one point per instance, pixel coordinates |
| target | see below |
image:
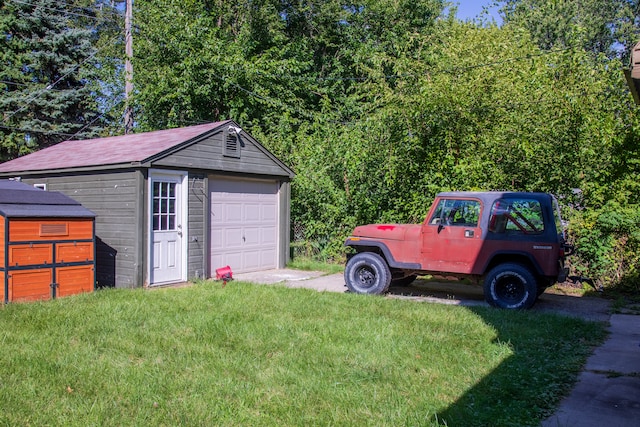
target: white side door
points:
(168, 236)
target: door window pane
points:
(164, 206)
(464, 213)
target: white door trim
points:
(181, 179)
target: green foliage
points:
(379, 105)
(376, 105)
(594, 25)
(608, 244)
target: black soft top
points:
(488, 196)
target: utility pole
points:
(128, 68)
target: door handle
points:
(468, 233)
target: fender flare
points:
(386, 253)
(518, 254)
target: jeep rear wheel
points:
(367, 273)
(510, 286)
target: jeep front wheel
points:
(367, 273)
(511, 286)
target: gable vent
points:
(48, 230)
(231, 145)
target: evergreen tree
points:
(46, 74)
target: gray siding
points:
(285, 223)
(208, 155)
(197, 222)
(115, 199)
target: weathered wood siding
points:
(285, 224)
(208, 155)
(117, 200)
(198, 189)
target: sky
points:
(470, 9)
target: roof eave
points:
(125, 165)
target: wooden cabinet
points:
(43, 258)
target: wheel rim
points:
(366, 277)
(510, 289)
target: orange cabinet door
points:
(74, 252)
(30, 254)
(74, 280)
(30, 285)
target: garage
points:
(172, 205)
(244, 224)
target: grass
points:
(273, 356)
(309, 264)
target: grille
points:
(54, 230)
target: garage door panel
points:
(217, 261)
(217, 239)
(268, 257)
(269, 236)
(251, 212)
(251, 260)
(268, 212)
(251, 236)
(217, 211)
(227, 258)
(232, 238)
(244, 224)
(233, 213)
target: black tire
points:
(543, 284)
(405, 281)
(511, 286)
(367, 273)
(541, 290)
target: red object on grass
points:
(224, 273)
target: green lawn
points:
(271, 356)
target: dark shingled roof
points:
(113, 150)
(21, 200)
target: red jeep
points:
(513, 241)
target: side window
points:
(463, 213)
(516, 216)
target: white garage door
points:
(244, 225)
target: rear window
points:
(516, 216)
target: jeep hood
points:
(384, 231)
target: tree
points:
(597, 26)
(604, 216)
(378, 105)
(48, 65)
